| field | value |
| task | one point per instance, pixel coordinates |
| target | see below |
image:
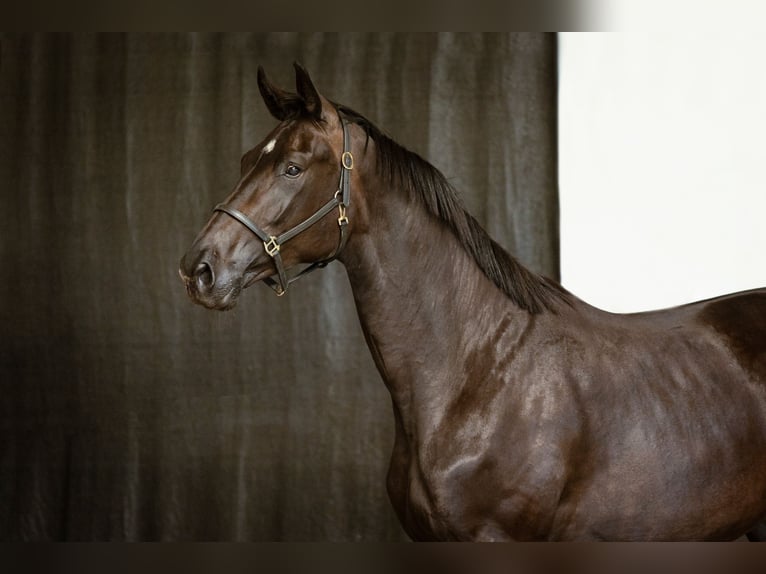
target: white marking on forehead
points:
(269, 146)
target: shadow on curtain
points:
(127, 412)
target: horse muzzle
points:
(209, 281)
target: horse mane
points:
(428, 185)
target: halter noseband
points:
(272, 243)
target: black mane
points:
(427, 184)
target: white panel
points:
(662, 166)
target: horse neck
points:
(426, 309)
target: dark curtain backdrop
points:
(127, 412)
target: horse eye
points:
(292, 170)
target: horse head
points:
(278, 216)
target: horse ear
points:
(307, 91)
(275, 98)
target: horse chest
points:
(469, 500)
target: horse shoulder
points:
(499, 461)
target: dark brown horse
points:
(521, 412)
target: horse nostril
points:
(204, 276)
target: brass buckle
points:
(271, 246)
(342, 220)
(347, 160)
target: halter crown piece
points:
(272, 243)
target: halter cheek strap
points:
(272, 244)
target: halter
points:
(272, 243)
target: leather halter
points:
(272, 243)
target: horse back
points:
(680, 410)
(740, 320)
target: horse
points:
(521, 412)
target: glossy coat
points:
(521, 411)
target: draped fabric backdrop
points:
(127, 412)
